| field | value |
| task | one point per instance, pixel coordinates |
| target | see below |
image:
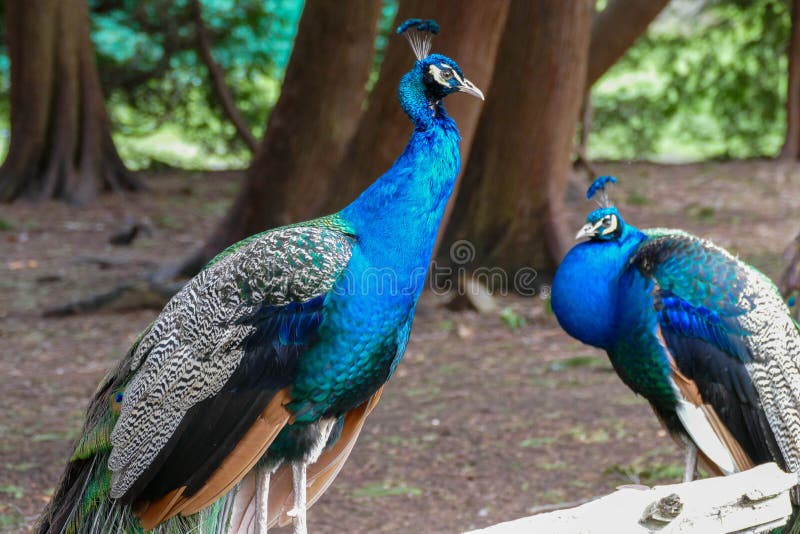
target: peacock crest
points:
(598, 189)
(419, 34)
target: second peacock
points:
(240, 403)
(703, 336)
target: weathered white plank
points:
(753, 501)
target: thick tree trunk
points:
(308, 129)
(61, 143)
(615, 29)
(470, 35)
(791, 145)
(510, 205)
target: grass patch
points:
(703, 214)
(636, 198)
(533, 443)
(382, 489)
(10, 518)
(446, 325)
(22, 467)
(648, 475)
(578, 361)
(553, 496)
(581, 435)
(15, 492)
(54, 436)
(553, 466)
(512, 319)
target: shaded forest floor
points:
(485, 419)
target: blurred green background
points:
(710, 89)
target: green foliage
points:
(163, 103)
(711, 88)
(708, 80)
(512, 319)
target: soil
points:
(490, 416)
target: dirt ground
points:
(488, 418)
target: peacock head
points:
(604, 223)
(442, 76)
(438, 75)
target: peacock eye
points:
(447, 74)
(610, 225)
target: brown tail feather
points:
(236, 465)
(321, 473)
(691, 393)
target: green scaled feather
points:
(98, 438)
(333, 222)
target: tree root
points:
(144, 294)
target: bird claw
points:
(293, 512)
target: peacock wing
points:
(733, 346)
(210, 377)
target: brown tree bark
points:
(316, 114)
(791, 145)
(510, 205)
(61, 144)
(470, 33)
(217, 75)
(615, 29)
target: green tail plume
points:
(82, 503)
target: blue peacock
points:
(700, 334)
(237, 407)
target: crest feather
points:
(419, 34)
(598, 188)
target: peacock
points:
(703, 336)
(237, 407)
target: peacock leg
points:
(690, 460)
(262, 499)
(298, 512)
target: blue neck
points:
(586, 288)
(415, 102)
(397, 218)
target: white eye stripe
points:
(612, 226)
(438, 75)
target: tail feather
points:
(82, 503)
(320, 476)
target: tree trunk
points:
(470, 34)
(308, 129)
(511, 194)
(615, 29)
(791, 145)
(61, 143)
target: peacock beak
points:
(588, 230)
(468, 87)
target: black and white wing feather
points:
(194, 347)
